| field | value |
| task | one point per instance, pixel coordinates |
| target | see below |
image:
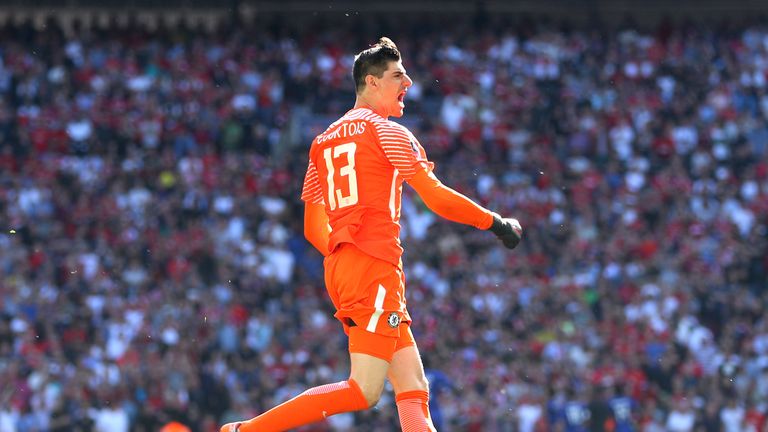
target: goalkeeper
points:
(352, 193)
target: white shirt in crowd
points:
(681, 421)
(527, 416)
(109, 419)
(732, 418)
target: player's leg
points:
(311, 406)
(406, 373)
(370, 356)
(349, 277)
(359, 392)
(369, 365)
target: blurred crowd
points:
(153, 267)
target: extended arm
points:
(456, 207)
(448, 203)
(316, 228)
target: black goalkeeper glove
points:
(508, 230)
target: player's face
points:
(393, 85)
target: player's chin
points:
(398, 112)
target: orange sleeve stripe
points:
(397, 143)
(312, 192)
(448, 203)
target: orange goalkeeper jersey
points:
(356, 170)
(355, 174)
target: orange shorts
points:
(369, 297)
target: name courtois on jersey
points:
(343, 131)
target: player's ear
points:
(371, 81)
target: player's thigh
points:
(369, 373)
(406, 372)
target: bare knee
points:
(369, 372)
(371, 392)
(414, 380)
(414, 383)
(421, 383)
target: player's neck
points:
(363, 102)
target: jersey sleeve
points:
(403, 151)
(312, 192)
(448, 203)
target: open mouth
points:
(401, 97)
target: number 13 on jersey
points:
(336, 197)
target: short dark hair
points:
(374, 61)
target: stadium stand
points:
(153, 269)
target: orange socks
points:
(313, 405)
(413, 408)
